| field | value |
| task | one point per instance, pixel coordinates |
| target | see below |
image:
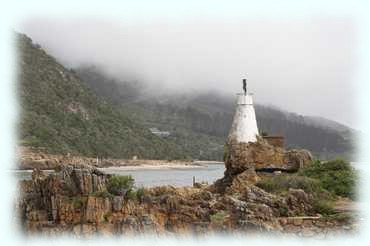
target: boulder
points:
(299, 202)
(261, 155)
(243, 180)
(297, 159)
(253, 155)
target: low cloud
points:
(302, 65)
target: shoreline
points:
(30, 158)
(136, 166)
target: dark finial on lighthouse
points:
(245, 86)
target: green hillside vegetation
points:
(61, 114)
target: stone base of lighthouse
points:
(261, 155)
(243, 162)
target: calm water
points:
(25, 174)
(171, 176)
(155, 177)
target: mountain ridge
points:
(85, 111)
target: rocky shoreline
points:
(31, 158)
(72, 200)
(75, 199)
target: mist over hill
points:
(209, 114)
(87, 111)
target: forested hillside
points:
(63, 115)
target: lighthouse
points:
(244, 127)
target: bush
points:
(120, 185)
(324, 180)
(322, 199)
(337, 176)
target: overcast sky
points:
(303, 65)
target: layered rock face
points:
(74, 200)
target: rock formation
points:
(75, 200)
(261, 155)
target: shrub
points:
(337, 176)
(120, 185)
(322, 199)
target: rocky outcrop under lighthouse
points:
(261, 155)
(243, 160)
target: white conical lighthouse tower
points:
(244, 128)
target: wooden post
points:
(193, 181)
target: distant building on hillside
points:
(159, 133)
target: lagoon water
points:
(149, 177)
(171, 176)
(178, 177)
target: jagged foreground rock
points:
(72, 200)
